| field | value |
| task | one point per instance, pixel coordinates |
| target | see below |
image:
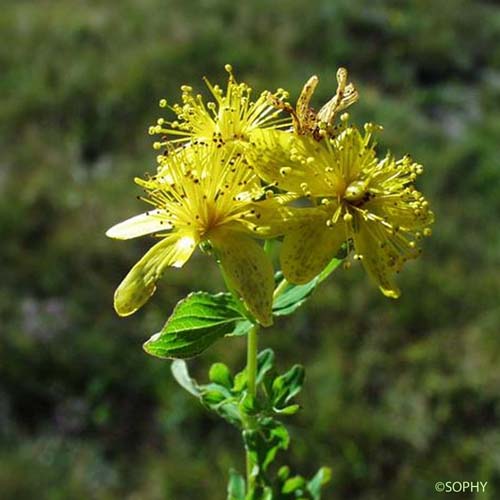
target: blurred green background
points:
(399, 394)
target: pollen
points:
(231, 114)
(370, 203)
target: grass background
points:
(399, 394)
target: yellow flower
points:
(368, 202)
(305, 120)
(229, 118)
(205, 195)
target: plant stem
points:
(252, 348)
(252, 360)
(252, 342)
(280, 288)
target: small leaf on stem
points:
(196, 323)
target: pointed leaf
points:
(287, 410)
(295, 295)
(322, 477)
(265, 362)
(236, 486)
(242, 328)
(293, 484)
(195, 324)
(334, 263)
(264, 443)
(288, 385)
(213, 394)
(284, 472)
(181, 374)
(248, 405)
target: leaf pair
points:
(229, 396)
(263, 434)
(202, 318)
(285, 487)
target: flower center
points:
(356, 192)
(211, 219)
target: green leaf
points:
(293, 484)
(267, 493)
(248, 404)
(279, 439)
(219, 374)
(213, 394)
(288, 385)
(265, 362)
(263, 443)
(287, 410)
(322, 477)
(242, 328)
(295, 295)
(283, 472)
(240, 381)
(236, 486)
(181, 374)
(195, 324)
(230, 412)
(333, 264)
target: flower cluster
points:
(235, 170)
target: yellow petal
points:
(272, 217)
(248, 270)
(271, 156)
(306, 251)
(377, 260)
(139, 225)
(140, 282)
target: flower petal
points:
(140, 283)
(279, 158)
(248, 270)
(306, 251)
(272, 217)
(139, 225)
(380, 262)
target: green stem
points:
(252, 343)
(252, 360)
(280, 288)
(252, 348)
